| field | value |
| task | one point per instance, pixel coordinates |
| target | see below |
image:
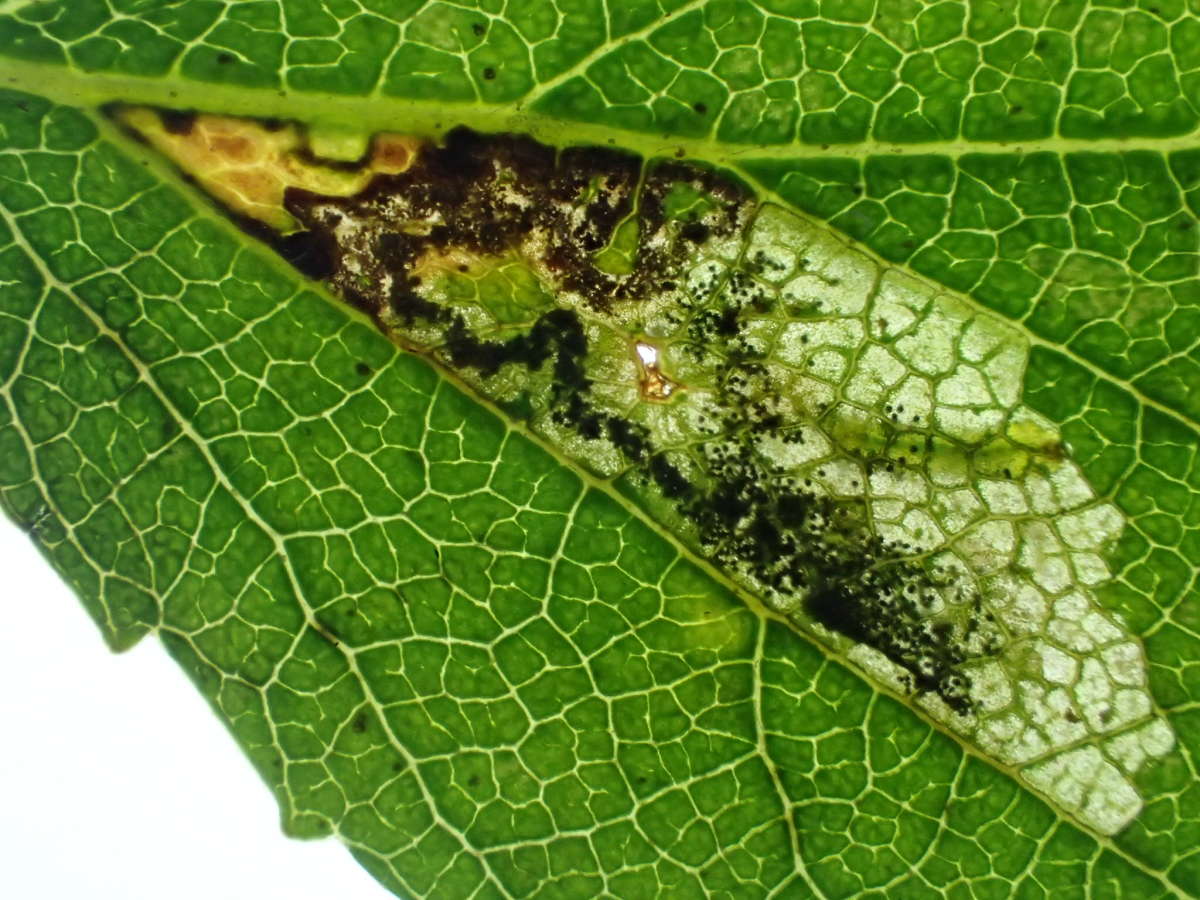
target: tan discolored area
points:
(249, 164)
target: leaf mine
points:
(846, 442)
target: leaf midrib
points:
(369, 113)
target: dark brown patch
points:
(177, 121)
(488, 193)
(309, 251)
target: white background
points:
(116, 780)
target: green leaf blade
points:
(168, 442)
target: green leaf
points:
(496, 658)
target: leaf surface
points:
(575, 703)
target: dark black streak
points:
(177, 121)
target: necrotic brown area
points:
(490, 195)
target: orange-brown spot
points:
(255, 185)
(391, 153)
(236, 147)
(249, 166)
